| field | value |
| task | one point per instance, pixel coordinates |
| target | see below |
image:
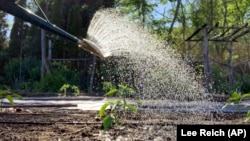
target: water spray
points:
(16, 10)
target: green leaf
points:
(124, 87)
(107, 122)
(107, 86)
(111, 92)
(234, 98)
(244, 96)
(64, 87)
(248, 114)
(131, 107)
(10, 99)
(76, 89)
(3, 93)
(103, 108)
(131, 91)
(236, 95)
(17, 96)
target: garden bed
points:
(56, 124)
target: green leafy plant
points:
(51, 82)
(76, 90)
(106, 86)
(236, 98)
(248, 115)
(65, 88)
(117, 108)
(5, 94)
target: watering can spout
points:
(91, 47)
(12, 8)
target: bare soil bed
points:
(45, 124)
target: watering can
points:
(9, 6)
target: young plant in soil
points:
(248, 116)
(236, 98)
(66, 87)
(116, 108)
(5, 94)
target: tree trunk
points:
(142, 13)
(175, 16)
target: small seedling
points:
(65, 88)
(5, 94)
(76, 90)
(116, 108)
(235, 99)
(248, 116)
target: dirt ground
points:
(44, 124)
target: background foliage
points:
(171, 20)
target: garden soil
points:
(45, 124)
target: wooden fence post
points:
(206, 60)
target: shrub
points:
(17, 72)
(51, 82)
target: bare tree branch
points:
(175, 16)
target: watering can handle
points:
(12, 8)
